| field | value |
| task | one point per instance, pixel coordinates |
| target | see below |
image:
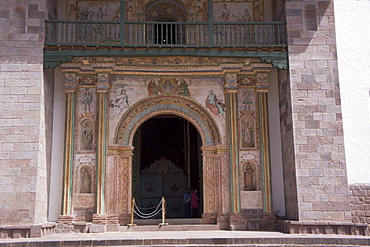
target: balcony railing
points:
(165, 34)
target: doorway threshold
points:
(179, 221)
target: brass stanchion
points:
(132, 213)
(163, 214)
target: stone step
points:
(181, 221)
(168, 228)
(190, 238)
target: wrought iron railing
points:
(165, 34)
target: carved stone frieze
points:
(165, 66)
(181, 106)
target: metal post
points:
(163, 213)
(132, 213)
(122, 21)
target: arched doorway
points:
(214, 164)
(166, 162)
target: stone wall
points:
(25, 111)
(320, 168)
(360, 203)
(290, 184)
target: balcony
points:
(65, 39)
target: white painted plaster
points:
(353, 39)
(55, 199)
(278, 203)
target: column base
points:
(209, 218)
(223, 221)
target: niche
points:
(309, 18)
(85, 179)
(249, 176)
(87, 134)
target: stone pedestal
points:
(65, 224)
(124, 219)
(237, 222)
(99, 223)
(223, 221)
(209, 218)
(112, 223)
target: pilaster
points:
(102, 91)
(119, 182)
(262, 89)
(231, 91)
(210, 186)
(70, 87)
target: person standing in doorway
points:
(194, 204)
(187, 201)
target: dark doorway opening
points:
(175, 141)
(165, 33)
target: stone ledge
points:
(34, 231)
(298, 227)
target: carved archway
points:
(159, 9)
(119, 168)
(176, 105)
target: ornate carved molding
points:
(177, 105)
(165, 66)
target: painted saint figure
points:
(87, 135)
(85, 181)
(120, 101)
(184, 88)
(72, 12)
(246, 17)
(247, 133)
(86, 100)
(225, 13)
(249, 177)
(152, 88)
(247, 100)
(200, 14)
(214, 105)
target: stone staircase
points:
(191, 224)
(189, 238)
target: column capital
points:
(262, 83)
(103, 83)
(231, 83)
(70, 83)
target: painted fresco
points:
(93, 10)
(139, 10)
(238, 11)
(127, 91)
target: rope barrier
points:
(136, 210)
(139, 211)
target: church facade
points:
(110, 102)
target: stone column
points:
(124, 184)
(102, 90)
(223, 189)
(119, 183)
(70, 86)
(210, 185)
(231, 89)
(262, 89)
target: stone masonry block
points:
(341, 206)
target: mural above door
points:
(93, 10)
(146, 10)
